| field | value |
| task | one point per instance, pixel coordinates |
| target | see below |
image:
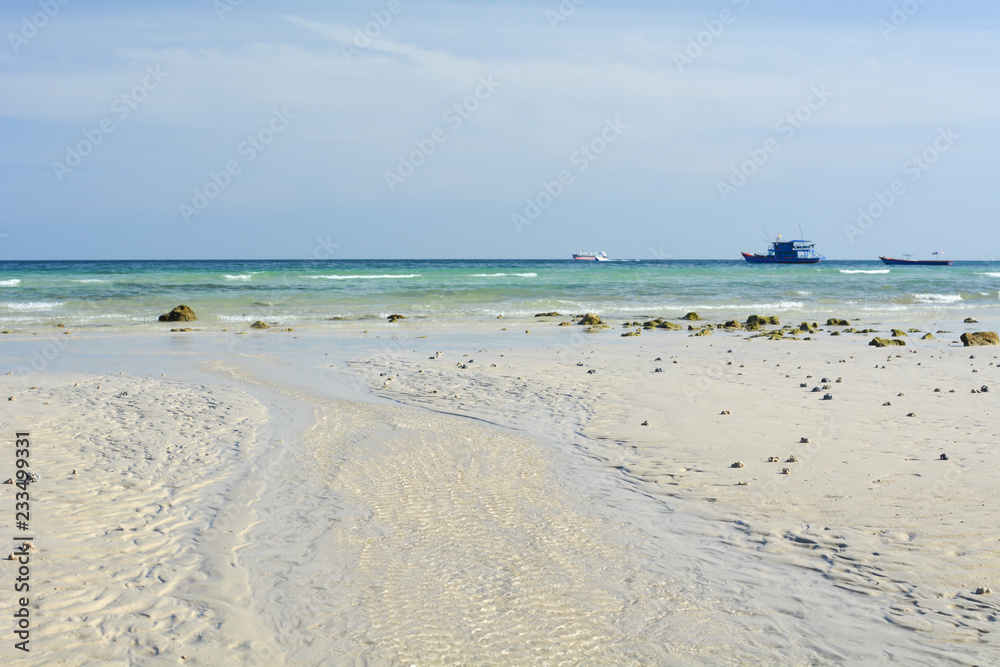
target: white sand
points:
(207, 521)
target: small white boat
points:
(591, 256)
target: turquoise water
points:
(122, 293)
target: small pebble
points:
(773, 459)
(828, 397)
(645, 423)
(786, 471)
(738, 464)
(983, 590)
(911, 414)
(944, 457)
(724, 412)
(791, 459)
(804, 440)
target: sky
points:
(406, 129)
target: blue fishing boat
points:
(796, 251)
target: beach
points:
(510, 491)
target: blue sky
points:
(399, 129)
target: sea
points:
(299, 292)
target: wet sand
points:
(514, 510)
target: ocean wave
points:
(239, 276)
(937, 298)
(366, 277)
(10, 283)
(501, 275)
(865, 270)
(32, 305)
(991, 275)
(89, 280)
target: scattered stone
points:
(773, 459)
(969, 320)
(658, 370)
(828, 397)
(984, 389)
(900, 394)
(983, 590)
(565, 324)
(591, 371)
(704, 332)
(260, 325)
(804, 440)
(692, 317)
(637, 332)
(724, 412)
(937, 390)
(590, 319)
(897, 333)
(11, 398)
(911, 414)
(738, 464)
(836, 322)
(887, 403)
(395, 317)
(791, 459)
(742, 483)
(803, 385)
(669, 326)
(786, 471)
(816, 389)
(885, 342)
(980, 338)
(944, 457)
(645, 423)
(550, 314)
(179, 314)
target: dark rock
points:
(898, 333)
(692, 317)
(670, 326)
(761, 320)
(260, 325)
(980, 338)
(836, 322)
(551, 314)
(590, 319)
(179, 314)
(969, 320)
(927, 336)
(396, 318)
(885, 342)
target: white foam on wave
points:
(32, 305)
(89, 280)
(865, 270)
(366, 277)
(10, 283)
(501, 275)
(991, 275)
(937, 298)
(239, 276)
